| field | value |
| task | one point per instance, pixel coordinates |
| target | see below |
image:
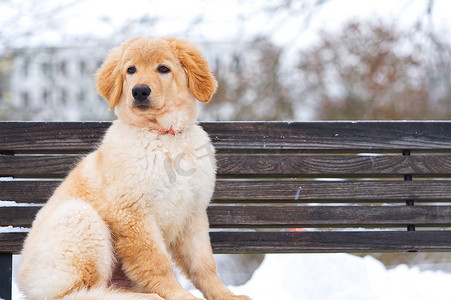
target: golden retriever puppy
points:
(141, 197)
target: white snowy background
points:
(280, 276)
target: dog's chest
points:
(175, 178)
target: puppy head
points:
(155, 80)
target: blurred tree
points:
(374, 71)
(250, 87)
(22, 20)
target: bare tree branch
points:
(29, 18)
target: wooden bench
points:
(282, 187)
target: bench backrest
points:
(282, 187)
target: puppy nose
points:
(141, 92)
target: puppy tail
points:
(99, 293)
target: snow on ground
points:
(339, 277)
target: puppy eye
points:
(163, 69)
(131, 70)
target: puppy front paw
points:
(240, 297)
(186, 297)
(234, 297)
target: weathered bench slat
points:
(26, 191)
(286, 242)
(325, 165)
(52, 136)
(11, 242)
(18, 216)
(332, 191)
(84, 136)
(328, 216)
(283, 191)
(368, 241)
(332, 135)
(289, 216)
(258, 165)
(36, 166)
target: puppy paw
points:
(233, 297)
(185, 298)
(240, 297)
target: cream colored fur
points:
(141, 197)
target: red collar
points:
(164, 131)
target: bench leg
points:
(6, 273)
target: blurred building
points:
(51, 84)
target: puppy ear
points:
(201, 81)
(109, 76)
